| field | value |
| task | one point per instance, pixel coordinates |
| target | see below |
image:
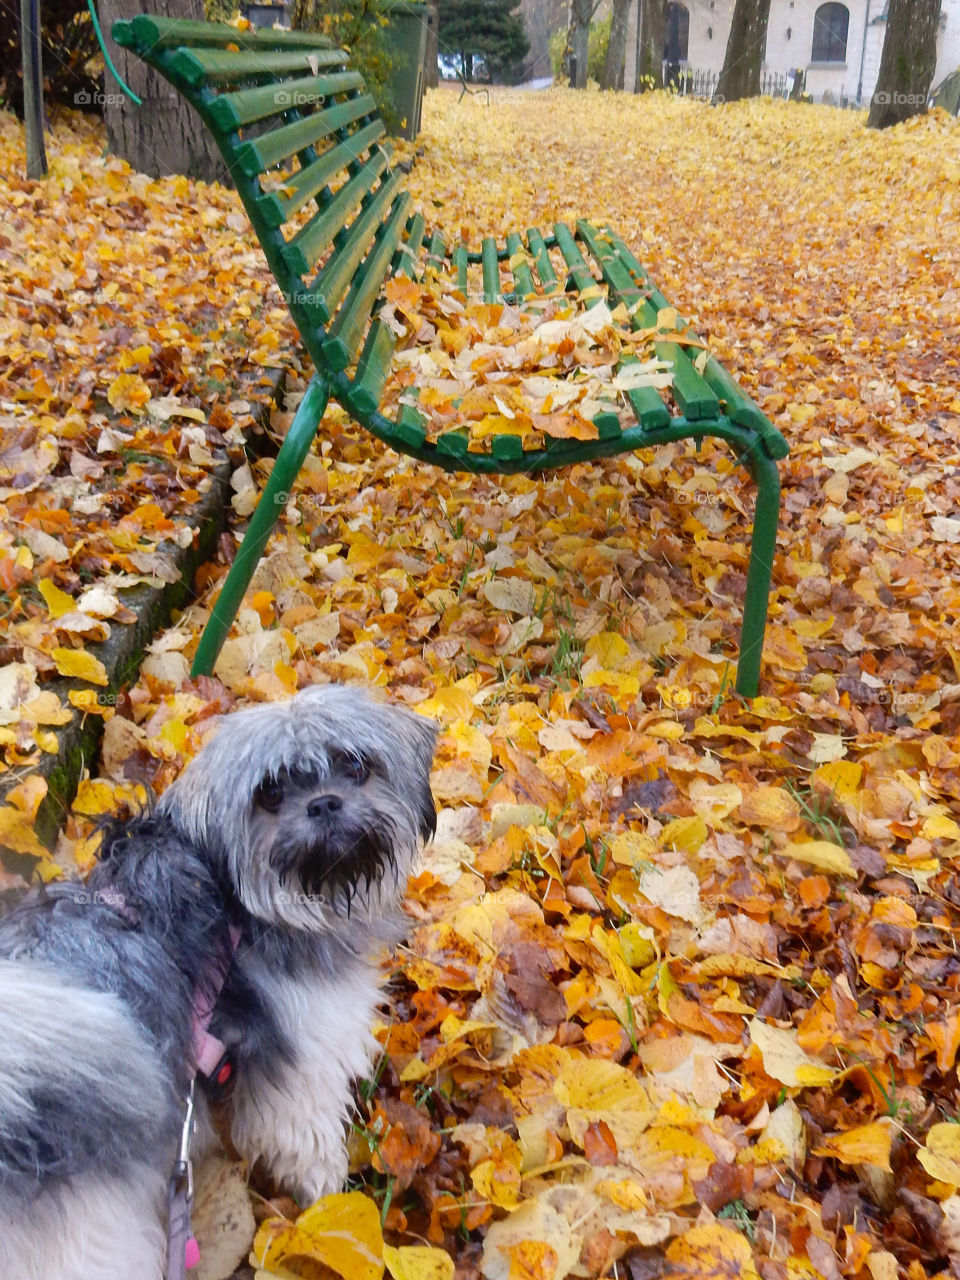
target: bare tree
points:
(651, 37)
(743, 60)
(578, 40)
(907, 63)
(163, 135)
(612, 77)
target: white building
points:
(837, 45)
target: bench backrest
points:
(301, 138)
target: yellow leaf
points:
(418, 1262)
(176, 733)
(712, 1252)
(632, 847)
(609, 649)
(342, 1231)
(594, 1084)
(782, 648)
(939, 827)
(17, 833)
(840, 777)
(57, 601)
(532, 1260)
(822, 854)
(940, 1155)
(128, 391)
(783, 1058)
(80, 664)
(624, 1193)
(866, 1144)
(624, 682)
(638, 945)
(498, 1181)
(685, 834)
(449, 703)
(772, 808)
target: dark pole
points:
(32, 87)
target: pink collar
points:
(209, 1053)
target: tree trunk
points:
(617, 48)
(578, 39)
(164, 135)
(32, 88)
(652, 34)
(907, 63)
(742, 62)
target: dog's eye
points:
(269, 795)
(355, 769)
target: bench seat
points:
(304, 144)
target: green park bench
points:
(339, 225)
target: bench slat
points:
(693, 395)
(460, 260)
(373, 366)
(411, 427)
(263, 153)
(548, 277)
(340, 347)
(646, 403)
(150, 33)
(522, 275)
(331, 281)
(406, 261)
(222, 66)
(580, 275)
(306, 184)
(309, 243)
(233, 110)
(436, 251)
(490, 269)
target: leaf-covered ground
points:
(681, 994)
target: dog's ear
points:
(423, 734)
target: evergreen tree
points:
(490, 29)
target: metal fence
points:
(696, 82)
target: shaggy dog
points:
(262, 887)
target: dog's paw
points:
(323, 1179)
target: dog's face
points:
(317, 806)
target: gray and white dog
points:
(278, 859)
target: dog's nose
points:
(324, 806)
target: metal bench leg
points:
(766, 517)
(286, 468)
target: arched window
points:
(677, 33)
(830, 25)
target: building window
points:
(677, 33)
(830, 24)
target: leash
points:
(214, 1065)
(183, 1252)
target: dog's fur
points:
(295, 827)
